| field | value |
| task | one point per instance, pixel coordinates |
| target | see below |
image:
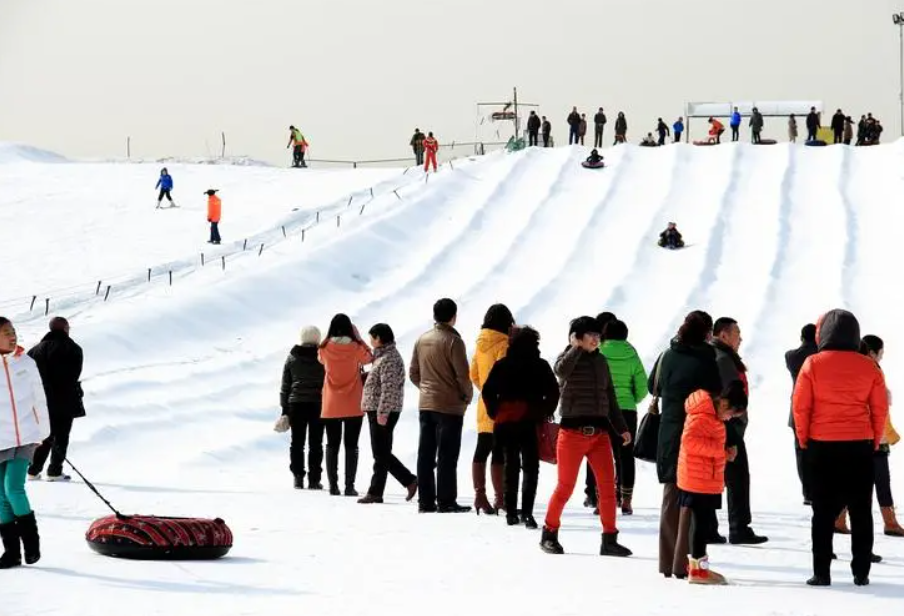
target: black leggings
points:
(702, 529)
(164, 193)
(487, 445)
(883, 479)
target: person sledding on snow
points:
(701, 470)
(594, 160)
(716, 129)
(299, 145)
(649, 141)
(671, 238)
(165, 184)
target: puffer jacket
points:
(701, 462)
(384, 389)
(628, 374)
(491, 347)
(24, 419)
(840, 394)
(302, 380)
(588, 395)
(343, 359)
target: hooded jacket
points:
(840, 394)
(302, 380)
(342, 360)
(701, 461)
(628, 374)
(24, 419)
(491, 347)
(526, 385)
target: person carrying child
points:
(701, 470)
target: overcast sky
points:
(358, 75)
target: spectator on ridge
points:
(439, 369)
(59, 361)
(813, 124)
(533, 129)
(301, 398)
(417, 146)
(343, 355)
(756, 125)
(678, 129)
(546, 129)
(663, 131)
(574, 124)
(848, 130)
(735, 124)
(299, 145)
(838, 121)
(520, 393)
(492, 344)
(431, 147)
(716, 128)
(582, 128)
(792, 128)
(621, 128)
(599, 126)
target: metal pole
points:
(517, 123)
(901, 76)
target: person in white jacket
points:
(24, 424)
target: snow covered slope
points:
(182, 381)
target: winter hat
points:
(310, 335)
(211, 192)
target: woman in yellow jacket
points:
(492, 345)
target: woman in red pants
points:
(588, 407)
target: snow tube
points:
(146, 537)
(589, 165)
(705, 143)
(766, 142)
(816, 143)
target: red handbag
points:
(547, 441)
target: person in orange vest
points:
(715, 131)
(214, 209)
(299, 145)
(431, 145)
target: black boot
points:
(351, 471)
(332, 470)
(549, 542)
(31, 541)
(12, 553)
(611, 547)
(299, 482)
(819, 580)
(529, 522)
(512, 519)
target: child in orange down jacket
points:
(701, 469)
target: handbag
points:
(647, 441)
(547, 441)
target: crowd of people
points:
(840, 418)
(701, 393)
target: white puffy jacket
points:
(23, 408)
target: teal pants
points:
(13, 500)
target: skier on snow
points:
(299, 145)
(165, 184)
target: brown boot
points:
(479, 475)
(497, 473)
(892, 528)
(841, 526)
(626, 507)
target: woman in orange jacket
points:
(343, 355)
(701, 470)
(214, 209)
(840, 407)
(492, 345)
(715, 131)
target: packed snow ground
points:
(182, 381)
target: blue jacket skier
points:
(735, 124)
(165, 184)
(678, 129)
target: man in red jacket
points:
(431, 145)
(840, 409)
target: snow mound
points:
(17, 153)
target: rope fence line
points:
(60, 299)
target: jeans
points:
(214, 233)
(842, 474)
(519, 441)
(438, 450)
(306, 424)
(385, 463)
(488, 448)
(572, 448)
(334, 429)
(56, 446)
(545, 140)
(418, 156)
(13, 499)
(573, 135)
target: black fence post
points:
(223, 258)
(107, 294)
(46, 306)
(317, 218)
(149, 274)
(171, 278)
(261, 251)
(350, 197)
(284, 230)
(34, 298)
(302, 234)
(245, 245)
(97, 292)
(202, 259)
(338, 220)
(396, 193)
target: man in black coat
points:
(546, 129)
(574, 123)
(533, 129)
(838, 126)
(599, 125)
(59, 361)
(727, 341)
(794, 360)
(813, 124)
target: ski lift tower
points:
(509, 112)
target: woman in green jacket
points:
(630, 380)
